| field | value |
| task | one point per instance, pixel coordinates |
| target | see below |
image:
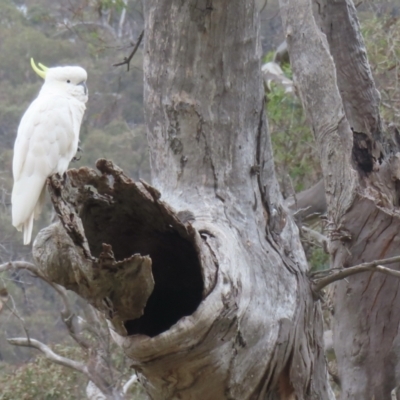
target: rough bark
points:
(232, 314)
(360, 97)
(363, 215)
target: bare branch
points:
(319, 237)
(66, 362)
(324, 278)
(67, 315)
(309, 203)
(69, 318)
(128, 59)
(133, 379)
(263, 7)
(19, 265)
(14, 312)
(13, 309)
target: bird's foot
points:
(79, 150)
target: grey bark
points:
(308, 204)
(361, 181)
(231, 314)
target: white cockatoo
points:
(47, 140)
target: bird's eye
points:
(68, 81)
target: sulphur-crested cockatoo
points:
(47, 140)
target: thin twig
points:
(56, 358)
(323, 278)
(127, 60)
(14, 312)
(69, 318)
(67, 315)
(262, 8)
(73, 324)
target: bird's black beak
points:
(83, 83)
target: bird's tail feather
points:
(28, 226)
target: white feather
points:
(46, 142)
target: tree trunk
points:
(361, 175)
(231, 315)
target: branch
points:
(127, 60)
(319, 237)
(70, 320)
(336, 274)
(67, 315)
(19, 265)
(133, 379)
(66, 362)
(309, 203)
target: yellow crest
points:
(42, 71)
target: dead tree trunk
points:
(361, 176)
(226, 310)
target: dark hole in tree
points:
(176, 269)
(363, 152)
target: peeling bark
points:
(231, 314)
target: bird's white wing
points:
(46, 140)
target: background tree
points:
(360, 170)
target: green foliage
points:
(318, 259)
(119, 143)
(268, 57)
(117, 5)
(296, 160)
(382, 40)
(42, 379)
